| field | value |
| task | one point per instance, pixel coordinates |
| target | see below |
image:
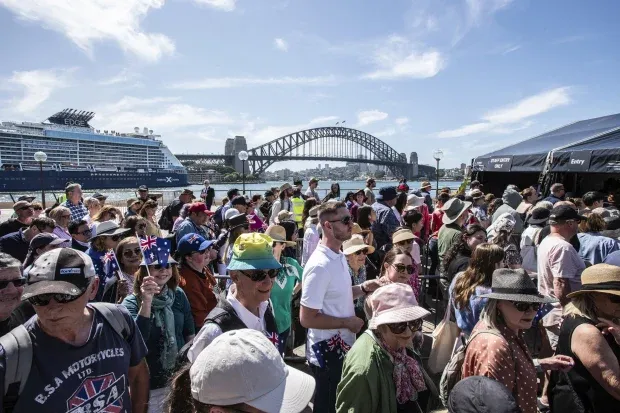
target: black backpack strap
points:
(114, 317)
(18, 361)
(225, 316)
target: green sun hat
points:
(253, 252)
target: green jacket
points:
(366, 385)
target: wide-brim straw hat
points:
(278, 234)
(354, 244)
(515, 285)
(357, 230)
(453, 209)
(599, 278)
(401, 235)
(394, 303)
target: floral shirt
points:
(505, 359)
(357, 279)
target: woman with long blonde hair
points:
(468, 285)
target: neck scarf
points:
(407, 375)
(164, 320)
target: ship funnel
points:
(136, 129)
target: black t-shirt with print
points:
(89, 378)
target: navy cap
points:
(387, 193)
(238, 200)
(143, 188)
(193, 243)
(45, 239)
(565, 213)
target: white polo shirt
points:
(327, 287)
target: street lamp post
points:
(243, 157)
(437, 154)
(41, 157)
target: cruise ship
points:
(78, 153)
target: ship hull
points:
(21, 181)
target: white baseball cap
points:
(232, 212)
(243, 366)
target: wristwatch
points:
(363, 289)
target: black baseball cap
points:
(539, 216)
(59, 271)
(26, 198)
(268, 193)
(565, 213)
(387, 193)
(143, 188)
(43, 240)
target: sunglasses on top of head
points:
(260, 275)
(44, 299)
(523, 307)
(399, 328)
(345, 220)
(17, 282)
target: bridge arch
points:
(263, 156)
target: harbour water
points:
(221, 189)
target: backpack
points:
(165, 221)
(18, 350)
(452, 373)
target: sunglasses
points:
(613, 298)
(360, 252)
(405, 269)
(17, 282)
(399, 328)
(86, 232)
(165, 266)
(131, 252)
(37, 208)
(523, 307)
(114, 237)
(44, 299)
(26, 207)
(258, 276)
(345, 220)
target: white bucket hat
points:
(394, 303)
(243, 366)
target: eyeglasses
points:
(345, 220)
(523, 307)
(399, 328)
(44, 299)
(86, 232)
(131, 252)
(165, 266)
(360, 252)
(17, 282)
(260, 275)
(405, 269)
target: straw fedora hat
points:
(278, 234)
(515, 285)
(357, 230)
(599, 278)
(453, 210)
(354, 244)
(402, 234)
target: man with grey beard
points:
(12, 311)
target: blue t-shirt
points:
(594, 248)
(90, 378)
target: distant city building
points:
(413, 160)
(239, 144)
(229, 148)
(463, 167)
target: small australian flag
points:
(330, 350)
(108, 261)
(155, 249)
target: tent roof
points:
(530, 154)
(600, 154)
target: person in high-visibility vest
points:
(298, 206)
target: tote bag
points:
(444, 337)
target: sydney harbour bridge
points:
(326, 144)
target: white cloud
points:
(85, 22)
(259, 136)
(224, 5)
(401, 121)
(233, 82)
(37, 86)
(513, 117)
(281, 44)
(398, 58)
(367, 117)
(124, 76)
(510, 49)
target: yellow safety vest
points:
(298, 209)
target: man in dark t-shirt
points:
(24, 212)
(80, 363)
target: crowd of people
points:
(191, 307)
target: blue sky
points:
(465, 76)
